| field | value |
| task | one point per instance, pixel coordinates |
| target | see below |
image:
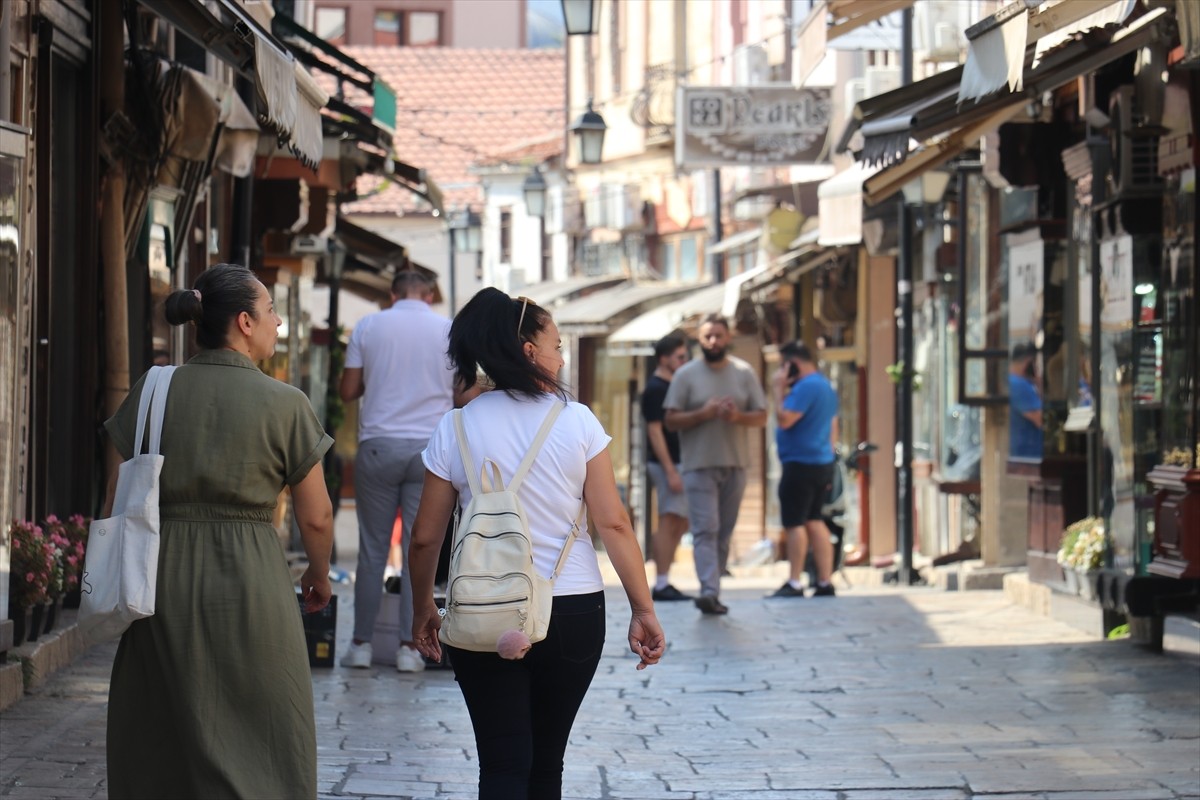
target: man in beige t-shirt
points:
(711, 402)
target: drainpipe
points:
(904, 292)
(112, 223)
(6, 13)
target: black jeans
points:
(523, 710)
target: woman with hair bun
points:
(523, 703)
(212, 696)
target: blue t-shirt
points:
(807, 442)
(1024, 438)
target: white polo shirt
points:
(408, 382)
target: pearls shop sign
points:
(757, 125)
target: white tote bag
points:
(121, 563)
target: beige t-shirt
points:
(715, 442)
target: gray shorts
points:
(668, 502)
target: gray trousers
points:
(714, 496)
(388, 475)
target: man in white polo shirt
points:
(396, 362)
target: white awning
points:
(549, 294)
(637, 337)
(996, 58)
(310, 99)
(736, 240)
(1108, 13)
(599, 313)
(841, 206)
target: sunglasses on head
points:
(525, 301)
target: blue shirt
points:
(807, 441)
(1024, 438)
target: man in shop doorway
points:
(396, 362)
(806, 408)
(1024, 404)
(711, 402)
(663, 467)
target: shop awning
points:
(236, 38)
(1064, 65)
(637, 337)
(598, 313)
(550, 294)
(806, 255)
(841, 202)
(998, 45)
(735, 241)
(195, 109)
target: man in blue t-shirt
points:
(1024, 405)
(806, 413)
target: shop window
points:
(388, 29)
(424, 29)
(982, 300)
(668, 261)
(330, 25)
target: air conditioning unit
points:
(1134, 146)
(881, 79)
(937, 27)
(750, 65)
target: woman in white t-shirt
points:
(523, 710)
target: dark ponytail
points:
(222, 292)
(484, 336)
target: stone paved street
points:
(876, 695)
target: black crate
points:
(320, 631)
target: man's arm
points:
(678, 420)
(352, 384)
(658, 442)
(834, 433)
(784, 417)
(751, 419)
(1033, 416)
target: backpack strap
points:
(464, 451)
(536, 446)
(574, 534)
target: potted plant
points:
(33, 565)
(1081, 553)
(74, 533)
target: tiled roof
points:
(456, 107)
(534, 151)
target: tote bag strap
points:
(144, 406)
(158, 409)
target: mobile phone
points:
(793, 371)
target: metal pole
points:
(450, 300)
(718, 261)
(904, 292)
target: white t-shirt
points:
(501, 428)
(407, 377)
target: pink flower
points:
(29, 577)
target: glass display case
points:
(1168, 345)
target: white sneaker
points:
(358, 656)
(409, 660)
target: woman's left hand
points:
(315, 588)
(646, 638)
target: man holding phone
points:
(806, 413)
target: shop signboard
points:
(750, 125)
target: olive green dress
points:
(212, 696)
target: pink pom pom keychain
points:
(513, 645)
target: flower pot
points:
(22, 620)
(53, 612)
(37, 620)
(1071, 578)
(72, 599)
(1087, 584)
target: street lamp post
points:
(466, 232)
(589, 129)
(535, 205)
(582, 17)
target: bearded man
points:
(711, 403)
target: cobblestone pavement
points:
(878, 694)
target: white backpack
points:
(493, 586)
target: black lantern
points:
(589, 130)
(535, 193)
(467, 231)
(582, 17)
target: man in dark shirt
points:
(662, 464)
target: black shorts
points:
(802, 492)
